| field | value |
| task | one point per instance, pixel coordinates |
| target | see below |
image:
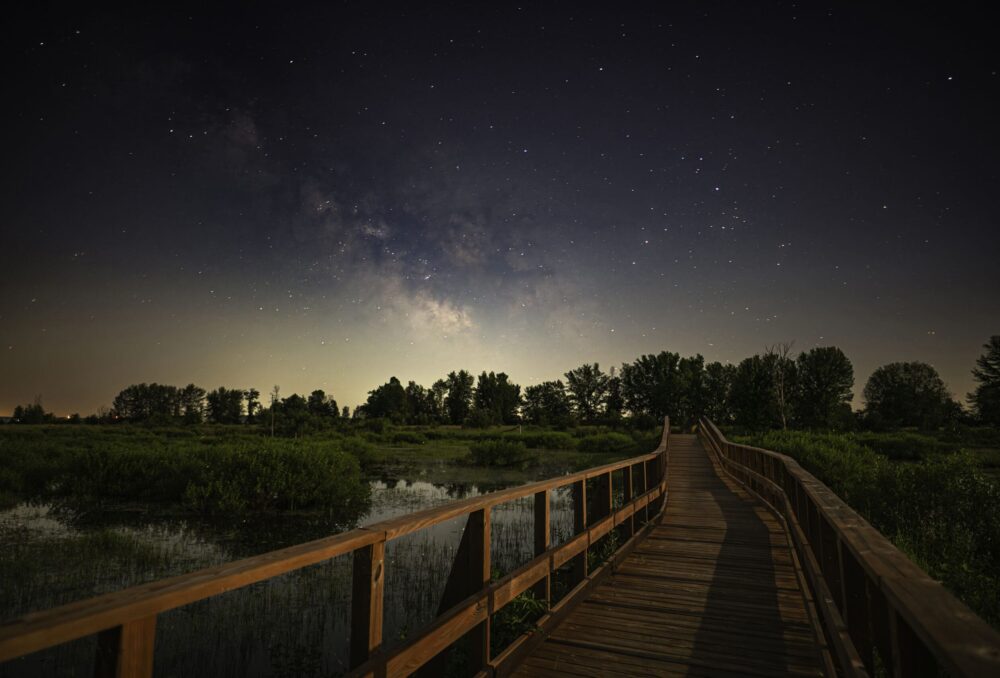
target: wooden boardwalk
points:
(714, 590)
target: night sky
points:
(324, 197)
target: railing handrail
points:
(885, 600)
(134, 610)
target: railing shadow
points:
(743, 591)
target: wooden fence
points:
(880, 612)
(125, 621)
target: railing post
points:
(543, 589)
(126, 651)
(579, 525)
(644, 484)
(368, 583)
(909, 656)
(480, 567)
(627, 494)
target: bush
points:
(502, 453)
(273, 476)
(408, 438)
(606, 443)
(546, 440)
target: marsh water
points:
(293, 625)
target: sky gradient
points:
(326, 197)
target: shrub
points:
(606, 443)
(408, 438)
(547, 440)
(502, 453)
(273, 476)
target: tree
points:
(420, 404)
(253, 404)
(547, 404)
(588, 387)
(497, 398)
(717, 384)
(651, 385)
(274, 401)
(907, 394)
(439, 391)
(458, 402)
(387, 401)
(192, 404)
(319, 405)
(614, 403)
(751, 398)
(225, 405)
(782, 378)
(986, 398)
(691, 391)
(825, 379)
(32, 414)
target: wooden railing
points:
(879, 611)
(125, 621)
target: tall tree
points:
(388, 401)
(497, 397)
(825, 379)
(782, 378)
(651, 385)
(614, 402)
(588, 387)
(225, 405)
(192, 404)
(319, 405)
(691, 391)
(547, 404)
(908, 394)
(253, 404)
(718, 382)
(986, 398)
(458, 402)
(751, 398)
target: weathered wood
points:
(897, 593)
(126, 651)
(579, 525)
(366, 602)
(628, 494)
(543, 532)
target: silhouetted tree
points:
(32, 414)
(225, 405)
(614, 403)
(253, 404)
(907, 394)
(319, 405)
(192, 404)
(986, 398)
(691, 392)
(387, 401)
(717, 383)
(547, 404)
(588, 387)
(651, 385)
(458, 402)
(825, 379)
(496, 398)
(751, 397)
(783, 379)
(144, 402)
(420, 405)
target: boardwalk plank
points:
(711, 591)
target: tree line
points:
(773, 389)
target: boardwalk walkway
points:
(712, 591)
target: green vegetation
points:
(941, 510)
(210, 470)
(502, 453)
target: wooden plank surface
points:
(712, 591)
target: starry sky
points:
(325, 196)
